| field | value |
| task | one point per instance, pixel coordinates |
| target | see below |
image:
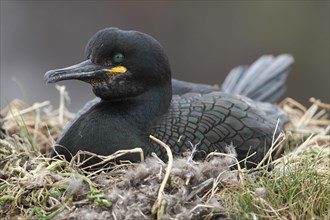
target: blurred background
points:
(203, 40)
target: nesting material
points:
(34, 186)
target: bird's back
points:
(213, 122)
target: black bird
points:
(130, 73)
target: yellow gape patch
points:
(117, 70)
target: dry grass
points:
(34, 186)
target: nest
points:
(34, 186)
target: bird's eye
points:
(118, 58)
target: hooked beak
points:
(84, 71)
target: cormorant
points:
(130, 74)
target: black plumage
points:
(130, 73)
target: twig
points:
(239, 169)
(319, 103)
(61, 89)
(105, 159)
(158, 202)
(36, 125)
(214, 188)
(27, 110)
(275, 144)
(293, 102)
(7, 145)
(302, 147)
(201, 206)
(153, 154)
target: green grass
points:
(298, 191)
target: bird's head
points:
(119, 64)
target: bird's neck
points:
(143, 109)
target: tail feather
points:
(263, 81)
(232, 79)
